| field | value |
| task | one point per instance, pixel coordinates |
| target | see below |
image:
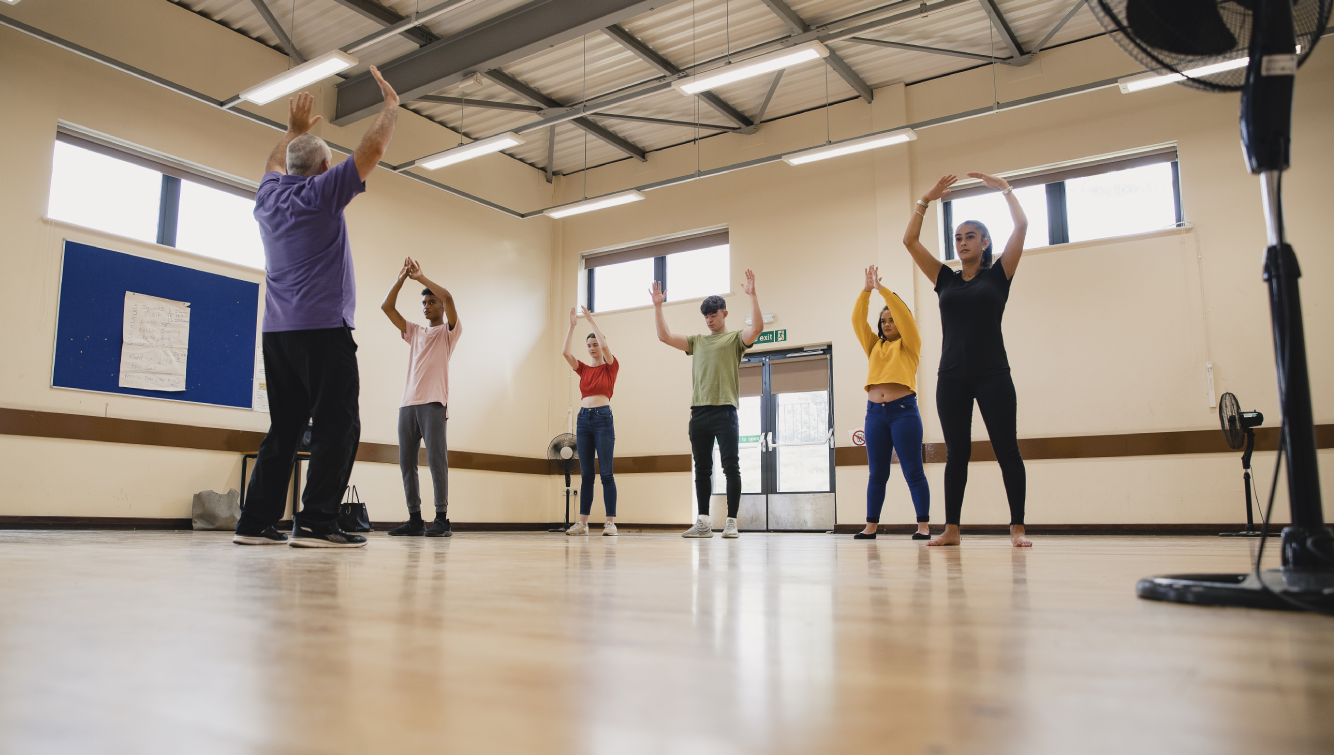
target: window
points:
(689, 267)
(101, 185)
(1100, 200)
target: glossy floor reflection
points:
(115, 642)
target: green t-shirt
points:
(717, 358)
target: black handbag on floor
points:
(352, 514)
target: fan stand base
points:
(1313, 588)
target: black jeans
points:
(311, 377)
(708, 423)
(996, 399)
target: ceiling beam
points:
(778, 76)
(665, 66)
(1061, 24)
(512, 36)
(796, 25)
(484, 104)
(278, 32)
(665, 122)
(523, 90)
(1003, 26)
(388, 17)
(919, 48)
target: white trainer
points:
(609, 529)
(578, 528)
(729, 528)
(701, 528)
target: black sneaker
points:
(411, 528)
(270, 536)
(304, 536)
(439, 528)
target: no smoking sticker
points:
(858, 437)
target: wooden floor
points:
(117, 642)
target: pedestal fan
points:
(1239, 430)
(563, 458)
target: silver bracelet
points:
(924, 204)
(1007, 191)
(920, 213)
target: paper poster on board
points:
(156, 343)
(260, 401)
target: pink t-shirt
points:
(428, 364)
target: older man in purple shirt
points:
(310, 359)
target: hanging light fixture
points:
(469, 151)
(839, 149)
(753, 67)
(598, 203)
(303, 75)
(1151, 80)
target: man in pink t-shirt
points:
(425, 397)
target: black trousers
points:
(996, 399)
(311, 376)
(709, 423)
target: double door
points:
(787, 450)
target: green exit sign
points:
(771, 336)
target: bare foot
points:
(949, 537)
(1017, 538)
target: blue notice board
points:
(220, 368)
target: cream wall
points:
(498, 269)
(1104, 337)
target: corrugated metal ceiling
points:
(686, 33)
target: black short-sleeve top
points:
(970, 319)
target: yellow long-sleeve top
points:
(891, 361)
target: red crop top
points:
(597, 381)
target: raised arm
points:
(602, 340)
(451, 314)
(865, 336)
(929, 265)
(298, 123)
(666, 336)
(390, 304)
(373, 145)
(569, 337)
(903, 319)
(756, 326)
(1014, 248)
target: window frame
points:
(173, 171)
(658, 250)
(1058, 222)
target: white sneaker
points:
(701, 528)
(609, 529)
(729, 528)
(578, 528)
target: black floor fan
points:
(1239, 430)
(563, 457)
(1190, 38)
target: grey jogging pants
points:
(415, 424)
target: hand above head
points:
(574, 319)
(390, 96)
(748, 288)
(941, 188)
(991, 182)
(407, 268)
(657, 293)
(298, 113)
(588, 315)
(415, 270)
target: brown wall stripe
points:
(36, 424)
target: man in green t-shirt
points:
(713, 397)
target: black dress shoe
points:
(920, 536)
(863, 536)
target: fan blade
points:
(1185, 27)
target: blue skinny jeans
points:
(596, 432)
(895, 426)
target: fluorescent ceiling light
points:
(305, 74)
(11, 2)
(588, 205)
(752, 67)
(469, 151)
(1151, 80)
(873, 141)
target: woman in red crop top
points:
(595, 431)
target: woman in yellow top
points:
(892, 420)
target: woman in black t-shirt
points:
(973, 365)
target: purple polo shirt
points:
(308, 261)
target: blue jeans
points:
(890, 427)
(595, 432)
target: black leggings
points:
(996, 399)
